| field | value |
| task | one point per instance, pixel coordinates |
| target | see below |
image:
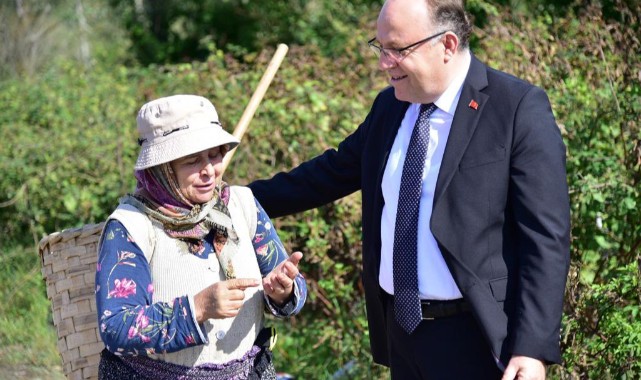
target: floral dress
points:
(131, 323)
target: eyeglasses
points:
(398, 54)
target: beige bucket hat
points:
(177, 126)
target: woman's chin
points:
(200, 196)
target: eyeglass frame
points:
(379, 50)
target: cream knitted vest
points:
(176, 272)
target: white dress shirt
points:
(434, 278)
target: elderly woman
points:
(178, 280)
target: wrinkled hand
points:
(524, 368)
(279, 283)
(222, 299)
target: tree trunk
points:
(85, 49)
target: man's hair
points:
(451, 15)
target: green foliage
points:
(36, 34)
(66, 154)
(178, 31)
(26, 333)
(30, 34)
(604, 319)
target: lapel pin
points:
(474, 104)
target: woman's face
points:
(199, 173)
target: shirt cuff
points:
(289, 308)
(196, 326)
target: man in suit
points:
(486, 255)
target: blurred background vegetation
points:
(74, 72)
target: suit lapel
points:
(468, 112)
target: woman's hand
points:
(222, 299)
(279, 283)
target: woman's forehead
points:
(209, 150)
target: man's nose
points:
(385, 62)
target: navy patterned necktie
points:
(407, 305)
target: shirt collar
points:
(449, 99)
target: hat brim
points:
(183, 145)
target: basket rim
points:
(67, 234)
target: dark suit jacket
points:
(500, 214)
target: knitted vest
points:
(176, 272)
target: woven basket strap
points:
(139, 226)
(243, 198)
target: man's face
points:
(419, 76)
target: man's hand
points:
(222, 299)
(524, 368)
(279, 283)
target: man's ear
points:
(450, 45)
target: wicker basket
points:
(69, 269)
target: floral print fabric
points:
(131, 323)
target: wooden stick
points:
(256, 98)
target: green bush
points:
(603, 332)
(178, 31)
(26, 333)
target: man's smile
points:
(397, 78)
